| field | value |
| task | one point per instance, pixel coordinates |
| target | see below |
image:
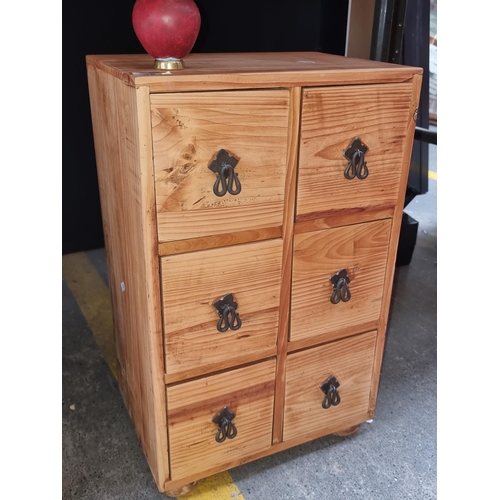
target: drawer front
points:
(247, 392)
(193, 282)
(361, 250)
(331, 118)
(350, 362)
(188, 131)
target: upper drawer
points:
(189, 129)
(332, 117)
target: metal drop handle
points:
(227, 179)
(341, 291)
(227, 429)
(228, 317)
(357, 166)
(332, 396)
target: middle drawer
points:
(355, 259)
(196, 286)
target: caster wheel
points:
(347, 432)
(183, 490)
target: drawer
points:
(361, 250)
(193, 282)
(331, 118)
(247, 392)
(350, 362)
(189, 130)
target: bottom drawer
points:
(247, 392)
(350, 361)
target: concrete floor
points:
(393, 458)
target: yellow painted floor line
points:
(216, 487)
(94, 300)
(433, 175)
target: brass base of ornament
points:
(170, 63)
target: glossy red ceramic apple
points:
(167, 29)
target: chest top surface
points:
(248, 70)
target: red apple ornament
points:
(167, 29)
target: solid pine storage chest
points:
(251, 207)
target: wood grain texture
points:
(217, 241)
(351, 362)
(308, 435)
(362, 250)
(121, 125)
(396, 229)
(327, 337)
(332, 118)
(188, 130)
(288, 217)
(341, 218)
(248, 392)
(251, 70)
(173, 226)
(192, 282)
(221, 365)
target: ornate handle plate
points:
(332, 396)
(227, 179)
(341, 291)
(228, 317)
(227, 429)
(357, 166)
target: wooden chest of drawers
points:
(251, 207)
